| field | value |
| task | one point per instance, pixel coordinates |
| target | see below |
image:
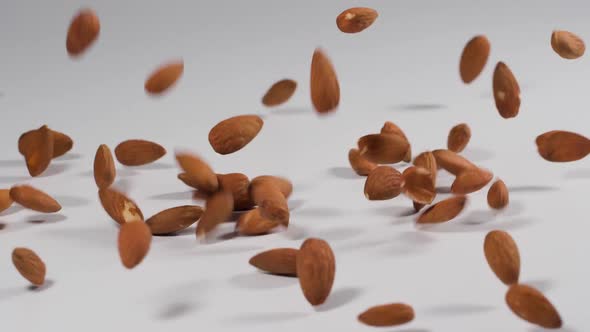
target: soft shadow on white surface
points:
(339, 298)
(563, 329)
(13, 179)
(55, 169)
(295, 204)
(443, 190)
(458, 309)
(344, 173)
(153, 166)
(338, 233)
(289, 111)
(123, 185)
(71, 201)
(577, 174)
(46, 218)
(176, 310)
(412, 330)
(318, 211)
(412, 107)
(392, 211)
(13, 163)
(8, 293)
(543, 285)
(69, 157)
(175, 196)
(205, 250)
(46, 285)
(100, 236)
(477, 155)
(255, 319)
(259, 280)
(295, 232)
(530, 189)
(466, 227)
(11, 210)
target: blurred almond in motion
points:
(387, 315)
(279, 93)
(83, 32)
(498, 195)
(443, 211)
(506, 91)
(458, 138)
(562, 146)
(567, 45)
(231, 135)
(474, 58)
(29, 265)
(324, 87)
(357, 19)
(164, 77)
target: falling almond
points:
(498, 195)
(325, 90)
(383, 183)
(29, 265)
(387, 315)
(5, 200)
(471, 180)
(458, 137)
(62, 143)
(164, 77)
(502, 255)
(174, 219)
(218, 209)
(271, 201)
(383, 148)
(357, 19)
(532, 306)
(232, 134)
(239, 185)
(474, 58)
(281, 261)
(34, 199)
(137, 152)
(562, 146)
(83, 32)
(316, 269)
(279, 93)
(134, 243)
(252, 223)
(393, 129)
(359, 164)
(104, 167)
(443, 211)
(284, 185)
(418, 185)
(567, 44)
(198, 172)
(506, 91)
(37, 148)
(427, 161)
(119, 207)
(452, 162)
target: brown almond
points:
(383, 183)
(119, 207)
(164, 77)
(316, 269)
(200, 174)
(34, 199)
(357, 19)
(29, 265)
(418, 206)
(471, 181)
(383, 148)
(458, 137)
(137, 152)
(174, 219)
(418, 185)
(271, 201)
(186, 179)
(284, 185)
(83, 32)
(392, 314)
(104, 167)
(502, 255)
(443, 211)
(428, 161)
(252, 223)
(279, 93)
(498, 195)
(231, 135)
(567, 44)
(474, 58)
(62, 143)
(452, 162)
(239, 185)
(391, 128)
(281, 261)
(324, 87)
(134, 243)
(506, 91)
(5, 200)
(37, 148)
(218, 209)
(562, 146)
(359, 164)
(532, 306)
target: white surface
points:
(234, 50)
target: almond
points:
(356, 19)
(174, 219)
(104, 167)
(271, 201)
(325, 90)
(29, 265)
(458, 137)
(119, 207)
(567, 44)
(502, 255)
(498, 195)
(218, 209)
(284, 185)
(387, 315)
(62, 143)
(562, 146)
(37, 148)
(5, 200)
(532, 306)
(186, 179)
(164, 77)
(34, 199)
(418, 185)
(474, 58)
(428, 161)
(316, 269)
(138, 152)
(252, 223)
(200, 174)
(391, 128)
(443, 211)
(83, 31)
(418, 206)
(452, 162)
(471, 180)
(383, 148)
(281, 261)
(231, 135)
(239, 185)
(134, 243)
(383, 183)
(279, 93)
(359, 164)
(506, 91)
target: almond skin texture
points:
(200, 174)
(231, 135)
(567, 44)
(271, 201)
(383, 148)
(562, 146)
(360, 165)
(502, 255)
(443, 211)
(284, 185)
(34, 199)
(62, 143)
(474, 58)
(427, 161)
(104, 167)
(532, 306)
(119, 207)
(506, 91)
(134, 243)
(418, 185)
(174, 219)
(5, 200)
(29, 265)
(138, 152)
(316, 269)
(458, 137)
(383, 183)
(354, 20)
(186, 179)
(324, 87)
(471, 181)
(239, 185)
(387, 315)
(83, 32)
(164, 77)
(252, 223)
(391, 128)
(37, 148)
(452, 162)
(279, 93)
(281, 261)
(218, 210)
(498, 197)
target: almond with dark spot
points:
(498, 195)
(359, 164)
(104, 167)
(233, 134)
(387, 315)
(218, 209)
(174, 219)
(383, 183)
(383, 148)
(443, 211)
(502, 255)
(29, 265)
(458, 137)
(199, 172)
(562, 146)
(281, 261)
(316, 269)
(279, 92)
(506, 91)
(474, 58)
(82, 32)
(532, 306)
(252, 223)
(119, 207)
(357, 19)
(34, 199)
(138, 152)
(324, 87)
(134, 242)
(164, 77)
(567, 44)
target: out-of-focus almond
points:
(231, 135)
(218, 209)
(62, 143)
(281, 261)
(357, 19)
(316, 269)
(498, 195)
(532, 306)
(502, 255)
(34, 199)
(134, 242)
(82, 32)
(200, 174)
(428, 161)
(119, 207)
(506, 91)
(164, 77)
(271, 201)
(567, 44)
(239, 185)
(418, 206)
(279, 92)
(392, 314)
(452, 162)
(458, 137)
(391, 128)
(29, 265)
(186, 179)
(37, 148)
(418, 185)
(5, 200)
(383, 183)
(104, 167)
(471, 180)
(359, 164)
(252, 223)
(138, 152)
(174, 219)
(443, 211)
(474, 58)
(324, 87)
(284, 185)
(562, 146)
(383, 148)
